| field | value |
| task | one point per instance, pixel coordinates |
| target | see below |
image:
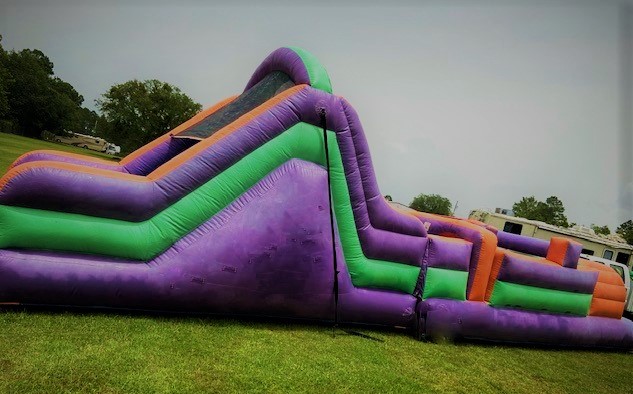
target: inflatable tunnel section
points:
(233, 212)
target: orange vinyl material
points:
(611, 278)
(606, 308)
(609, 295)
(558, 249)
(605, 274)
(484, 264)
(610, 292)
(494, 271)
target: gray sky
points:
(481, 102)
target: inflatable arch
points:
(234, 211)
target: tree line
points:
(551, 211)
(33, 100)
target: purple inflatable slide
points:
(267, 204)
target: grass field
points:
(13, 146)
(47, 351)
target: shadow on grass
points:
(275, 323)
(284, 324)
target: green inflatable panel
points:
(445, 283)
(519, 296)
(319, 78)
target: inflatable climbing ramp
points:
(267, 204)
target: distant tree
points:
(32, 99)
(551, 211)
(556, 209)
(388, 198)
(529, 208)
(432, 203)
(139, 111)
(604, 230)
(86, 121)
(626, 231)
(4, 81)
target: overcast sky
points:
(481, 102)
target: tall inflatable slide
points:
(267, 204)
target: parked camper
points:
(83, 141)
(610, 247)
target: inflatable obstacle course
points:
(230, 213)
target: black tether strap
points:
(329, 193)
(334, 255)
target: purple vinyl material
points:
(40, 155)
(514, 269)
(523, 244)
(285, 60)
(160, 154)
(237, 262)
(572, 254)
(474, 237)
(368, 306)
(58, 189)
(381, 214)
(476, 320)
(448, 254)
(242, 262)
(149, 198)
(141, 165)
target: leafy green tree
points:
(556, 210)
(551, 211)
(6, 125)
(37, 100)
(87, 121)
(139, 111)
(388, 197)
(529, 208)
(432, 203)
(626, 231)
(604, 230)
(4, 81)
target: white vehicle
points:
(112, 149)
(623, 271)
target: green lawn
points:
(50, 352)
(13, 146)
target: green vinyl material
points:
(319, 78)
(445, 283)
(519, 296)
(39, 229)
